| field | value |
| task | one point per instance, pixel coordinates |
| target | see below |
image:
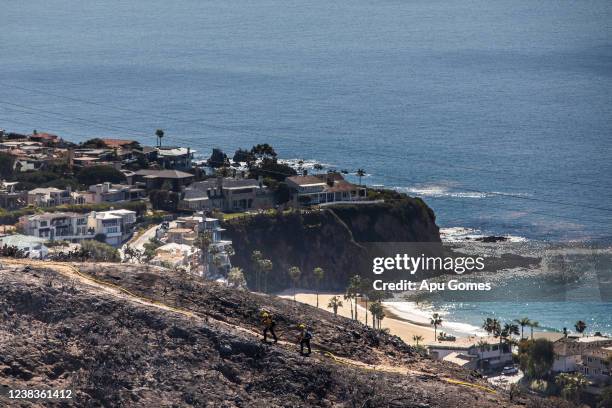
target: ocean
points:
(497, 113)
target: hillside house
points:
(226, 194)
(324, 188)
(175, 180)
(472, 352)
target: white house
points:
(58, 226)
(175, 255)
(116, 225)
(569, 351)
(32, 246)
(472, 352)
(51, 197)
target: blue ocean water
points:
(498, 113)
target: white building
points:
(472, 352)
(116, 225)
(595, 365)
(32, 246)
(176, 255)
(59, 226)
(51, 197)
(569, 351)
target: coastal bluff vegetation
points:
(334, 238)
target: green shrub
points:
(99, 174)
(99, 251)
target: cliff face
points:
(334, 239)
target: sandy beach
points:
(403, 329)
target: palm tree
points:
(507, 332)
(380, 316)
(523, 322)
(580, 326)
(360, 173)
(256, 258)
(366, 290)
(377, 314)
(511, 329)
(265, 266)
(335, 303)
(417, 338)
(532, 324)
(436, 320)
(160, 135)
(354, 288)
(318, 273)
(349, 296)
(294, 274)
(491, 326)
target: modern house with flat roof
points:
(176, 158)
(113, 193)
(226, 194)
(59, 226)
(51, 197)
(34, 247)
(472, 352)
(596, 364)
(116, 225)
(10, 198)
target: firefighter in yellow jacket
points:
(268, 323)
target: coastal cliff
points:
(333, 238)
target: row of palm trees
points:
(580, 326)
(358, 288)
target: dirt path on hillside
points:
(71, 271)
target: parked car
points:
(511, 370)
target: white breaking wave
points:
(442, 190)
(421, 315)
(439, 191)
(458, 234)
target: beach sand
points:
(400, 328)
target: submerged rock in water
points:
(491, 238)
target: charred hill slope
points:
(125, 345)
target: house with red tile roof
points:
(324, 188)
